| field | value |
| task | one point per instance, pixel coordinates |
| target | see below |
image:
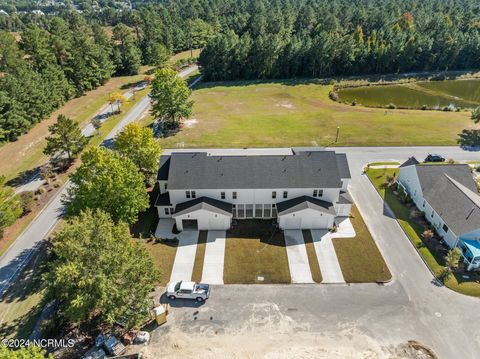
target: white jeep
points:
(188, 290)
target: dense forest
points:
(47, 58)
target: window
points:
(258, 211)
(187, 194)
(445, 228)
(432, 214)
(222, 195)
(423, 204)
(234, 195)
(315, 193)
(194, 195)
(165, 186)
(285, 194)
(167, 211)
(320, 192)
(274, 194)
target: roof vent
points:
(284, 158)
(309, 154)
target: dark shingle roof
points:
(452, 193)
(163, 200)
(206, 203)
(304, 202)
(409, 162)
(342, 164)
(344, 198)
(197, 170)
(164, 168)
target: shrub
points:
(391, 106)
(427, 234)
(450, 161)
(354, 103)
(424, 107)
(56, 185)
(40, 191)
(403, 195)
(333, 95)
(26, 201)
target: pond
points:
(430, 94)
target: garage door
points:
(293, 223)
(189, 224)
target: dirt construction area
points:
(267, 329)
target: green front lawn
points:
(469, 286)
(359, 257)
(253, 249)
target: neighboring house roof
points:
(310, 169)
(411, 161)
(344, 198)
(206, 203)
(452, 193)
(304, 202)
(342, 164)
(163, 200)
(164, 168)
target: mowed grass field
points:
(252, 114)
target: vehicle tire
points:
(200, 299)
(172, 297)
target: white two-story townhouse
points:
(302, 188)
(448, 196)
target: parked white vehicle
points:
(188, 290)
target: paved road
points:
(12, 261)
(413, 306)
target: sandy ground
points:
(269, 334)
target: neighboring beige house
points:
(448, 196)
(302, 188)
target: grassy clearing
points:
(22, 304)
(359, 257)
(312, 256)
(185, 55)
(250, 114)
(468, 286)
(199, 257)
(254, 249)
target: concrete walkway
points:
(327, 258)
(214, 258)
(297, 256)
(185, 257)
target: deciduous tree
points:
(105, 180)
(138, 144)
(100, 272)
(170, 97)
(28, 352)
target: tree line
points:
(284, 39)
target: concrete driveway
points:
(327, 257)
(297, 256)
(185, 257)
(214, 259)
